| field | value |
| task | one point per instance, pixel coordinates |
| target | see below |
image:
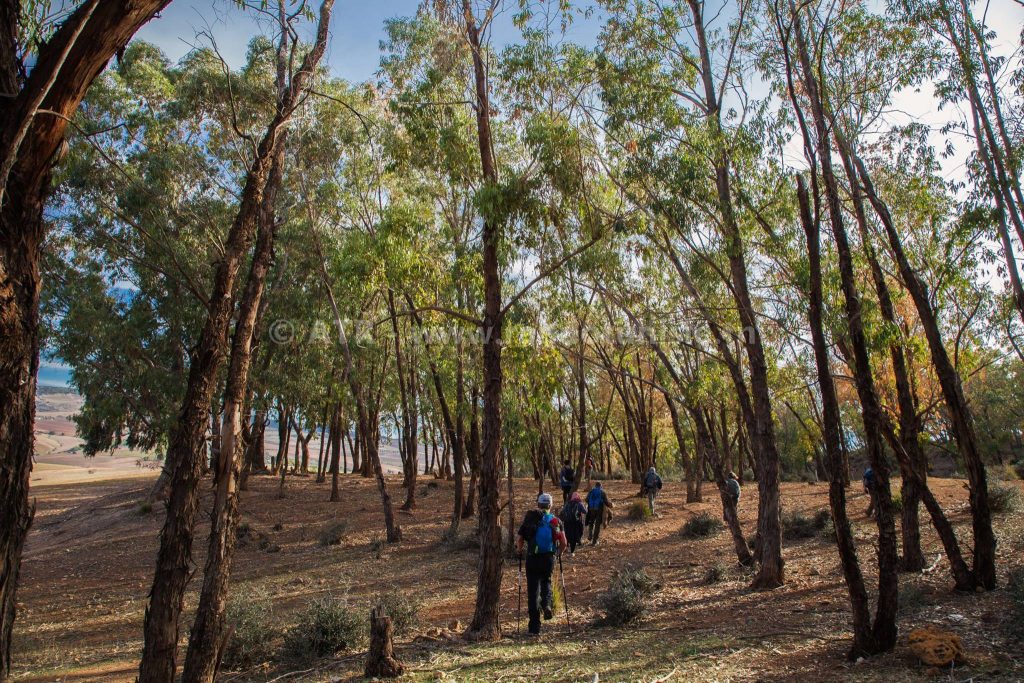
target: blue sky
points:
(357, 27)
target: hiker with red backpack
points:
(542, 535)
(573, 514)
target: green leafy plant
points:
(628, 596)
(701, 525)
(327, 625)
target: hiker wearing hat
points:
(542, 535)
(652, 484)
(598, 507)
(573, 514)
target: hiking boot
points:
(548, 614)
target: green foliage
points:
(403, 610)
(333, 533)
(327, 626)
(1014, 624)
(253, 629)
(639, 511)
(701, 525)
(1005, 498)
(628, 596)
(796, 525)
(715, 573)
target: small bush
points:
(897, 502)
(1004, 498)
(796, 525)
(403, 610)
(145, 507)
(327, 625)
(332, 534)
(828, 531)
(701, 525)
(639, 511)
(253, 629)
(459, 540)
(625, 601)
(377, 544)
(715, 573)
(1015, 622)
(913, 598)
(1018, 468)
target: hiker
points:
(573, 514)
(869, 488)
(732, 487)
(598, 507)
(652, 484)
(589, 468)
(566, 480)
(541, 532)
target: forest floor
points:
(89, 562)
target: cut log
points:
(381, 661)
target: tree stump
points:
(380, 661)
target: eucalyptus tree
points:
(667, 77)
(185, 449)
(47, 63)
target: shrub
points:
(1004, 498)
(1018, 468)
(797, 525)
(897, 502)
(639, 511)
(625, 601)
(715, 573)
(828, 531)
(333, 533)
(1015, 622)
(913, 598)
(701, 525)
(145, 507)
(253, 628)
(459, 540)
(403, 610)
(327, 625)
(377, 544)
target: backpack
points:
(595, 499)
(567, 477)
(544, 537)
(653, 481)
(734, 488)
(869, 479)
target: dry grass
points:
(90, 556)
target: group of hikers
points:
(545, 536)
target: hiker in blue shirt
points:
(598, 507)
(542, 535)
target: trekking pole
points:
(565, 598)
(519, 597)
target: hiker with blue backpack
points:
(598, 507)
(652, 485)
(542, 535)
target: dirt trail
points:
(90, 557)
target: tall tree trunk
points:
(769, 525)
(34, 114)
(174, 559)
(952, 391)
(485, 624)
(206, 637)
(863, 639)
(884, 629)
(336, 445)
